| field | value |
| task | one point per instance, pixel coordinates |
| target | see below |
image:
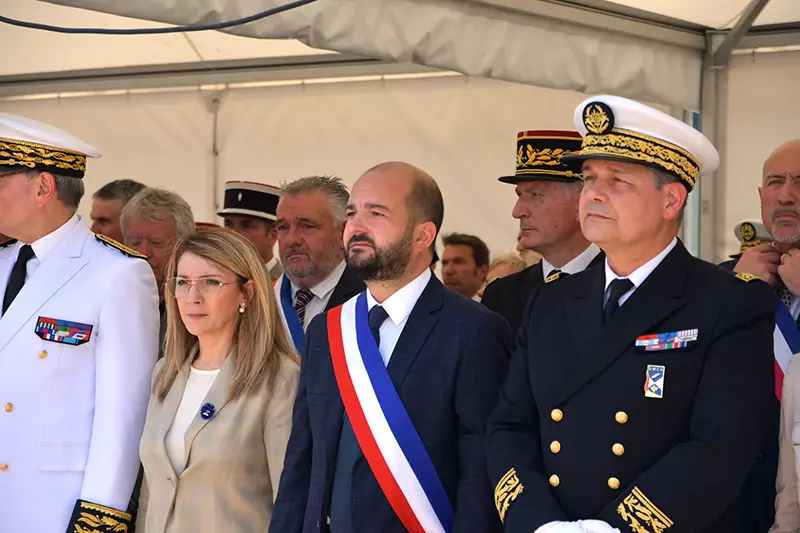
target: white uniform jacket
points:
(71, 415)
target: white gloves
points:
(581, 526)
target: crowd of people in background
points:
(163, 374)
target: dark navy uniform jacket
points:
(574, 436)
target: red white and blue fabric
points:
(787, 343)
(387, 436)
(290, 314)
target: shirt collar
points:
(638, 276)
(400, 304)
(578, 264)
(44, 245)
(321, 289)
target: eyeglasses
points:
(206, 287)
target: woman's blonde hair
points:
(260, 341)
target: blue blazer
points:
(448, 366)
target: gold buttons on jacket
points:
(3, 467)
(557, 415)
(554, 481)
(613, 483)
(621, 417)
(9, 407)
(618, 449)
(43, 354)
(555, 446)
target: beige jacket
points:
(787, 503)
(234, 459)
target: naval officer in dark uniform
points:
(547, 190)
(638, 396)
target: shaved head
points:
(789, 149)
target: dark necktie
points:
(17, 278)
(617, 288)
(377, 316)
(302, 298)
(557, 271)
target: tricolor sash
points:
(387, 436)
(292, 320)
(787, 343)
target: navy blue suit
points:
(448, 366)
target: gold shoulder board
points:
(108, 241)
(744, 276)
(7, 243)
(552, 277)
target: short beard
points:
(322, 269)
(386, 264)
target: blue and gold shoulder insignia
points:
(747, 277)
(552, 277)
(9, 242)
(108, 241)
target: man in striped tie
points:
(778, 264)
(310, 223)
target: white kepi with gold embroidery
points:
(27, 144)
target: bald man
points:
(435, 361)
(779, 265)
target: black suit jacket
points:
(349, 285)
(573, 426)
(448, 366)
(759, 490)
(507, 296)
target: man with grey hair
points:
(78, 342)
(311, 219)
(107, 204)
(548, 189)
(152, 222)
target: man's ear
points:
(426, 235)
(45, 188)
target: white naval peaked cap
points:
(752, 232)
(27, 144)
(625, 130)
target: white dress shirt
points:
(322, 292)
(43, 246)
(638, 276)
(398, 306)
(578, 264)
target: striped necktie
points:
(303, 297)
(785, 295)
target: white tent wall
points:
(461, 130)
(763, 112)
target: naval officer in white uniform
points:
(78, 342)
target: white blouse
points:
(197, 387)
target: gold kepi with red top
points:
(540, 156)
(27, 144)
(624, 130)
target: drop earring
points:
(241, 308)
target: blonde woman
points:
(220, 412)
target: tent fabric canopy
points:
(547, 43)
(488, 38)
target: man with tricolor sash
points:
(310, 223)
(396, 384)
(770, 251)
(638, 397)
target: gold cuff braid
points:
(641, 515)
(506, 492)
(90, 517)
